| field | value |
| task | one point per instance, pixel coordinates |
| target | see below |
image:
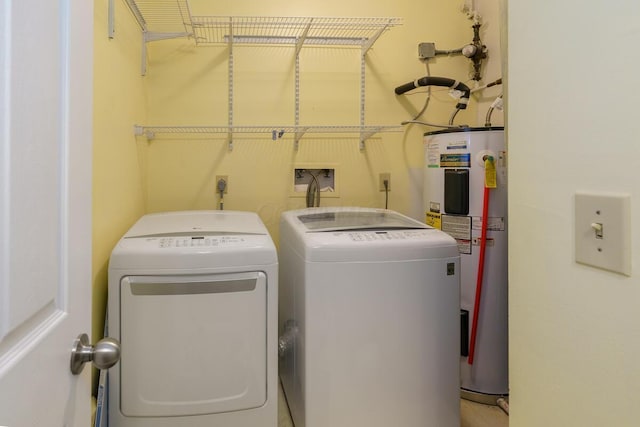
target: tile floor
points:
(471, 414)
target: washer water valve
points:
(475, 51)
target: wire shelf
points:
(289, 30)
(162, 16)
(275, 132)
(166, 19)
(151, 131)
(174, 17)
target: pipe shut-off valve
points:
(475, 51)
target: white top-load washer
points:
(193, 301)
(369, 319)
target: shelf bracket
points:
(303, 37)
(371, 40)
(111, 24)
(296, 121)
(150, 36)
(140, 131)
(366, 134)
(230, 79)
(299, 134)
(143, 54)
(299, 45)
(362, 95)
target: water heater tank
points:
(454, 195)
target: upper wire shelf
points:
(290, 30)
(173, 17)
(162, 16)
(167, 19)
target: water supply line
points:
(222, 186)
(313, 192)
(490, 182)
(497, 103)
(488, 85)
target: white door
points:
(45, 209)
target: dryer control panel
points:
(200, 241)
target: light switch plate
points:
(610, 216)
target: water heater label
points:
(455, 160)
(457, 145)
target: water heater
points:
(457, 164)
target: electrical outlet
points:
(385, 177)
(226, 180)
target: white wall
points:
(572, 114)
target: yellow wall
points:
(188, 86)
(119, 101)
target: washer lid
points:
(369, 219)
(186, 223)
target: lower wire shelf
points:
(276, 132)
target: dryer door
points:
(192, 345)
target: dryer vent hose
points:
(438, 81)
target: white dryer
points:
(193, 301)
(370, 319)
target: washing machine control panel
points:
(201, 241)
(368, 236)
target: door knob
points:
(103, 355)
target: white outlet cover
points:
(613, 251)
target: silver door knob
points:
(104, 354)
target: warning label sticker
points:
(455, 160)
(434, 220)
(433, 155)
(458, 227)
(476, 241)
(493, 223)
(464, 246)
